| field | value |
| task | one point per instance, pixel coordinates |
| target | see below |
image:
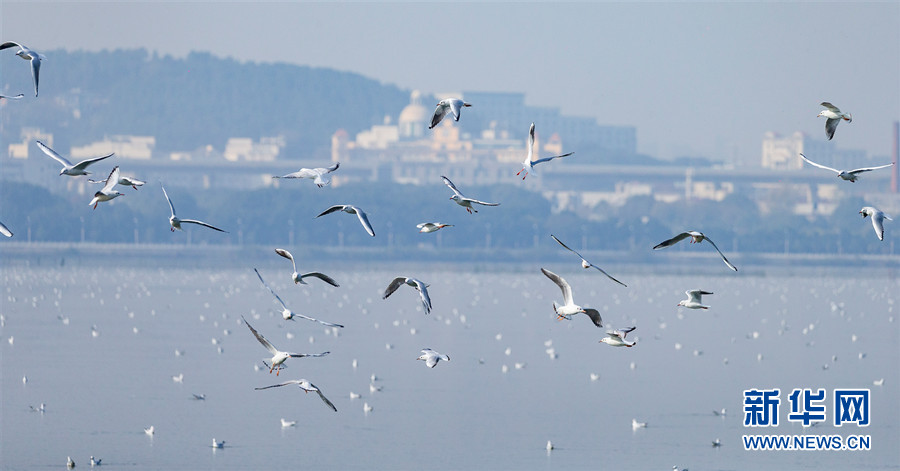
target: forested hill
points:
(190, 102)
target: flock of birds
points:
(321, 178)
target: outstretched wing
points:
(337, 207)
(284, 253)
(566, 289)
(325, 399)
(393, 286)
(265, 343)
(329, 324)
(84, 163)
(52, 153)
(111, 180)
(595, 316)
(5, 230)
(286, 383)
(831, 127)
(364, 220)
(439, 114)
(171, 206)
(321, 276)
(483, 203)
(869, 169)
(270, 289)
(452, 186)
(672, 241)
(820, 165)
(547, 159)
(303, 355)
(720, 254)
(422, 288)
(830, 106)
(201, 223)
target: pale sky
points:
(694, 78)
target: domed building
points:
(414, 118)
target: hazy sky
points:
(694, 78)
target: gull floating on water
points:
(878, 218)
(176, 222)
(694, 299)
(286, 313)
(107, 193)
(567, 310)
(124, 181)
(586, 264)
(28, 55)
(421, 287)
(848, 175)
(636, 425)
(318, 175)
(432, 226)
(298, 278)
(5, 230)
(432, 357)
(616, 338)
(95, 462)
(833, 116)
(447, 105)
(696, 238)
(528, 164)
(216, 444)
(462, 200)
(306, 386)
(278, 357)
(68, 168)
(199, 397)
(363, 219)
(17, 97)
(69, 462)
(150, 430)
(287, 423)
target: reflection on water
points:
(111, 352)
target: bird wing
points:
(869, 169)
(566, 289)
(337, 207)
(364, 220)
(819, 165)
(9, 44)
(422, 288)
(325, 400)
(693, 295)
(595, 316)
(566, 246)
(547, 159)
(52, 153)
(431, 359)
(831, 126)
(171, 206)
(5, 230)
(332, 168)
(286, 383)
(17, 97)
(111, 180)
(329, 324)
(720, 253)
(878, 224)
(452, 186)
(36, 70)
(608, 275)
(830, 106)
(270, 289)
(321, 276)
(672, 241)
(627, 331)
(302, 355)
(454, 108)
(321, 181)
(84, 163)
(201, 223)
(393, 286)
(439, 114)
(482, 202)
(284, 253)
(265, 343)
(530, 144)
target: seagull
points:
(636, 425)
(69, 462)
(528, 164)
(95, 462)
(17, 97)
(616, 338)
(124, 181)
(462, 200)
(287, 423)
(586, 264)
(107, 193)
(216, 444)
(298, 278)
(28, 55)
(199, 397)
(833, 116)
(305, 386)
(150, 430)
(570, 308)
(432, 357)
(432, 226)
(316, 174)
(421, 287)
(286, 313)
(696, 237)
(878, 218)
(363, 219)
(5, 230)
(848, 175)
(694, 299)
(278, 357)
(716, 443)
(720, 413)
(68, 168)
(175, 221)
(453, 105)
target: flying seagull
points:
(432, 226)
(68, 168)
(278, 357)
(528, 164)
(616, 338)
(586, 264)
(696, 238)
(107, 193)
(124, 181)
(694, 300)
(447, 105)
(878, 218)
(17, 97)
(833, 116)
(318, 175)
(851, 175)
(306, 386)
(176, 222)
(432, 357)
(567, 310)
(421, 287)
(462, 200)
(28, 55)
(286, 313)
(363, 219)
(298, 278)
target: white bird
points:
(107, 193)
(720, 413)
(29, 55)
(5, 230)
(462, 200)
(179, 378)
(421, 287)
(567, 310)
(432, 226)
(363, 219)
(528, 164)
(68, 168)
(17, 97)
(69, 462)
(696, 238)
(176, 222)
(636, 425)
(367, 408)
(286, 313)
(306, 386)
(199, 397)
(716, 443)
(431, 357)
(217, 444)
(586, 264)
(616, 338)
(318, 175)
(123, 180)
(287, 423)
(95, 462)
(833, 116)
(298, 278)
(447, 105)
(278, 357)
(549, 446)
(150, 430)
(694, 300)
(848, 175)
(878, 218)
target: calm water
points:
(102, 390)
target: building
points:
(783, 152)
(124, 146)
